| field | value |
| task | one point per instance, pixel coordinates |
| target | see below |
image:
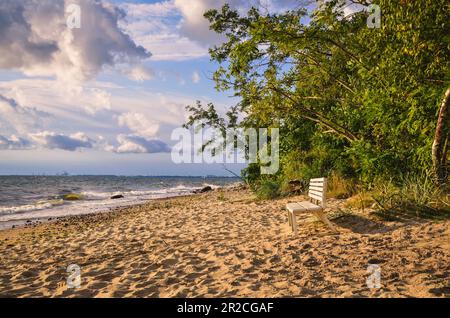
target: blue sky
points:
(103, 98)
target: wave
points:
(41, 205)
(104, 197)
(96, 195)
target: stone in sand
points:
(72, 197)
(204, 190)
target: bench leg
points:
(321, 216)
(294, 223)
(289, 219)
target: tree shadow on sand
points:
(441, 291)
(361, 225)
(368, 225)
(413, 212)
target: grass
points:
(340, 188)
(415, 197)
(221, 197)
(360, 201)
(268, 189)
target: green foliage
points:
(221, 197)
(348, 99)
(414, 195)
(251, 175)
(340, 187)
(268, 189)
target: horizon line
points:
(114, 175)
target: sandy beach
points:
(225, 244)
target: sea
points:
(29, 198)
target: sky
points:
(104, 98)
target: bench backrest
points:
(318, 190)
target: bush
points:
(339, 187)
(268, 189)
(251, 175)
(360, 201)
(415, 195)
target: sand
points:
(225, 244)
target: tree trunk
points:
(439, 148)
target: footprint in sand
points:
(169, 262)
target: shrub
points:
(268, 189)
(415, 195)
(360, 201)
(221, 197)
(339, 187)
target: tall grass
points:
(268, 189)
(339, 187)
(415, 195)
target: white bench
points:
(316, 204)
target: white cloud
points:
(351, 8)
(155, 27)
(176, 30)
(52, 140)
(196, 27)
(60, 110)
(57, 115)
(153, 10)
(195, 77)
(99, 99)
(140, 73)
(138, 144)
(36, 40)
(139, 124)
(18, 119)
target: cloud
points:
(155, 27)
(196, 77)
(176, 30)
(196, 27)
(138, 144)
(139, 124)
(140, 73)
(52, 140)
(35, 39)
(17, 119)
(351, 8)
(94, 108)
(98, 99)
(14, 143)
(161, 9)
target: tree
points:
(441, 140)
(345, 97)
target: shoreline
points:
(224, 244)
(54, 216)
(33, 222)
